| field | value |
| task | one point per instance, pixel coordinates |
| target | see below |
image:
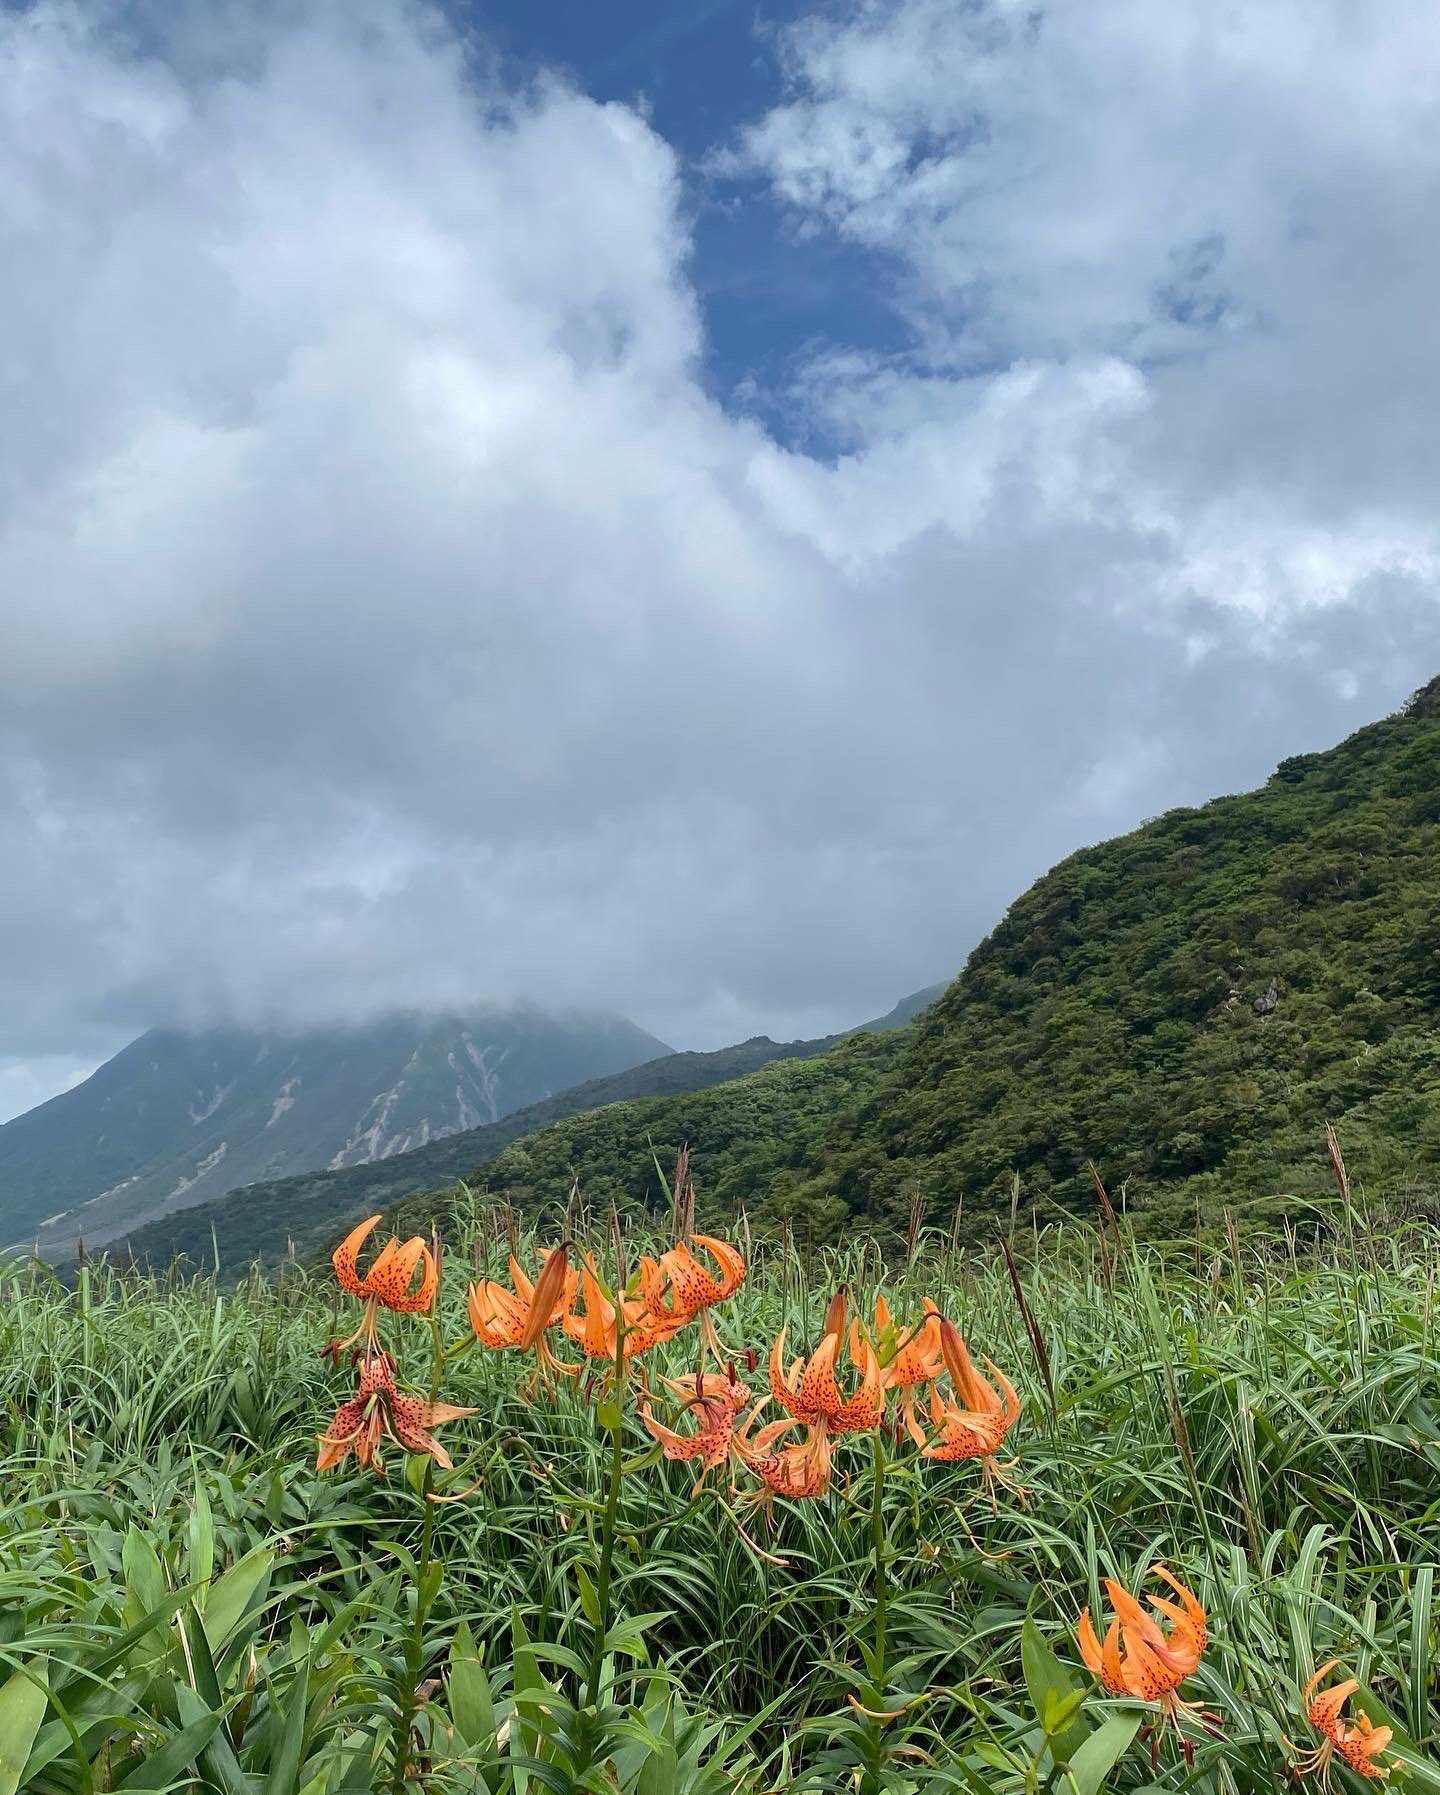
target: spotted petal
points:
(346, 1254)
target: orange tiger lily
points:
(521, 1317)
(715, 1402)
(596, 1328)
(795, 1472)
(388, 1282)
(694, 1286)
(976, 1425)
(677, 1288)
(1153, 1664)
(380, 1411)
(907, 1357)
(798, 1472)
(810, 1394)
(1357, 1745)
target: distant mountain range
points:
(265, 1219)
(177, 1119)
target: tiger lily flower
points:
(521, 1317)
(1153, 1664)
(595, 1329)
(798, 1472)
(795, 1472)
(388, 1282)
(810, 1394)
(693, 1286)
(1357, 1745)
(810, 1391)
(976, 1425)
(379, 1412)
(907, 1357)
(716, 1403)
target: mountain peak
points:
(180, 1116)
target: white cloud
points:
(1106, 173)
(26, 1083)
(1168, 273)
(392, 617)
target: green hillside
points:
(1186, 1005)
(750, 1137)
(1189, 1004)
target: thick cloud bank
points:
(391, 616)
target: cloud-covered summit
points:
(399, 610)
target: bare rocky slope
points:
(177, 1119)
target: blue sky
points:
(699, 70)
(685, 511)
(698, 67)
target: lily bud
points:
(957, 1361)
(835, 1314)
(549, 1287)
(617, 1242)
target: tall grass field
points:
(187, 1603)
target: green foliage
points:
(1187, 1006)
(188, 1606)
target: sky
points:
(684, 507)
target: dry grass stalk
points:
(1032, 1328)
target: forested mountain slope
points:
(1186, 1006)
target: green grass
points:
(185, 1604)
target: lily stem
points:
(877, 1542)
(415, 1644)
(612, 1510)
(607, 1559)
(424, 1593)
(610, 1417)
(875, 1750)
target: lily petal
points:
(345, 1255)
